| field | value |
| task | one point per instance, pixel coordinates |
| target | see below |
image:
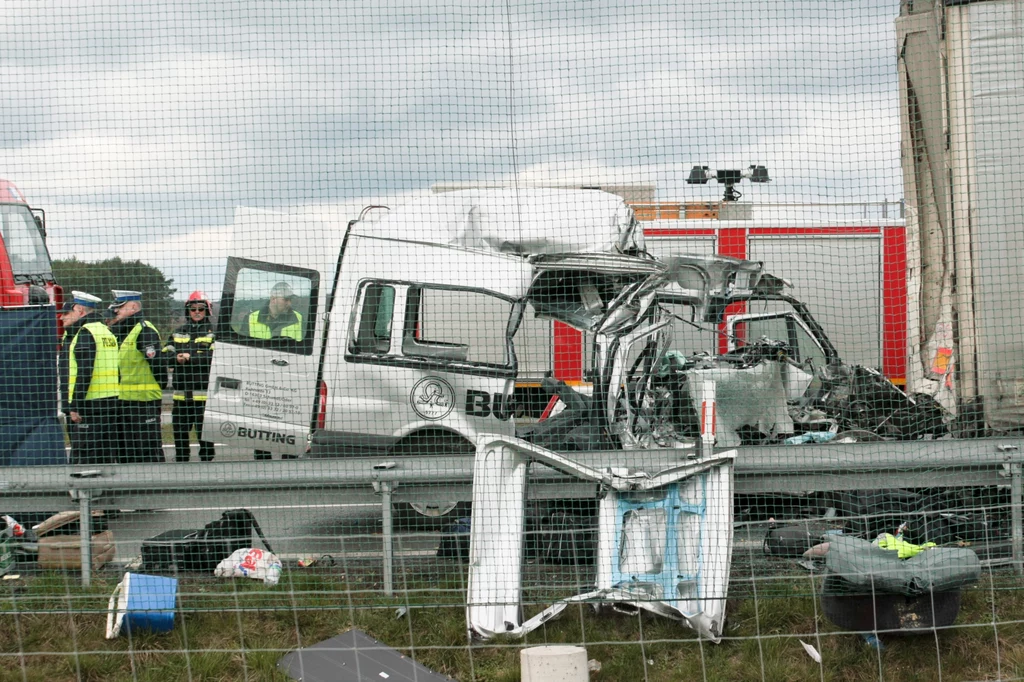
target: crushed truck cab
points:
(400, 331)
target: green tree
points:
(101, 277)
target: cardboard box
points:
(65, 551)
(59, 543)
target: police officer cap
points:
(121, 297)
(81, 298)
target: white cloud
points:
(145, 124)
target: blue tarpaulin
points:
(30, 432)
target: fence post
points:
(85, 533)
(1016, 518)
(385, 488)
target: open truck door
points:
(263, 379)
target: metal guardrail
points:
(759, 469)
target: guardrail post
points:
(385, 489)
(85, 532)
(1017, 515)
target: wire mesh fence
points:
(514, 341)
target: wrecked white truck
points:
(400, 334)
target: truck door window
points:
(25, 247)
(268, 306)
(456, 324)
(808, 348)
(775, 328)
(376, 312)
(450, 329)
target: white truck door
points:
(263, 377)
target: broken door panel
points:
(664, 538)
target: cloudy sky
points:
(139, 126)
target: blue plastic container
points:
(142, 602)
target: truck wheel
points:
(429, 514)
(433, 510)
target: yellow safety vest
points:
(258, 330)
(104, 367)
(137, 380)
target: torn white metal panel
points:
(664, 538)
(670, 552)
(702, 276)
(622, 478)
(496, 539)
(524, 221)
(754, 396)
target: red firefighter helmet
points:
(198, 296)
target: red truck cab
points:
(26, 273)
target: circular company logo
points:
(228, 430)
(433, 398)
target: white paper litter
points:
(811, 651)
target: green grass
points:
(235, 630)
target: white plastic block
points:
(554, 664)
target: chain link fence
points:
(515, 341)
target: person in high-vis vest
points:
(73, 316)
(275, 320)
(90, 401)
(189, 352)
(139, 391)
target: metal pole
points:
(85, 531)
(1016, 515)
(389, 551)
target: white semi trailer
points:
(961, 71)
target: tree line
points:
(101, 277)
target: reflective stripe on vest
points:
(258, 330)
(196, 395)
(104, 367)
(137, 380)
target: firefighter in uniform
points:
(189, 352)
(139, 392)
(90, 399)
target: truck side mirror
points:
(40, 217)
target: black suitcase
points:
(789, 541)
(202, 549)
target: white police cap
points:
(85, 299)
(121, 297)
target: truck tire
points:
(430, 514)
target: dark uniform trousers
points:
(185, 416)
(92, 439)
(141, 440)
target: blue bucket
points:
(142, 602)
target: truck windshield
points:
(24, 243)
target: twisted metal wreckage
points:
(664, 538)
(398, 371)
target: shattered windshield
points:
(23, 242)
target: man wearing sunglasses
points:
(189, 352)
